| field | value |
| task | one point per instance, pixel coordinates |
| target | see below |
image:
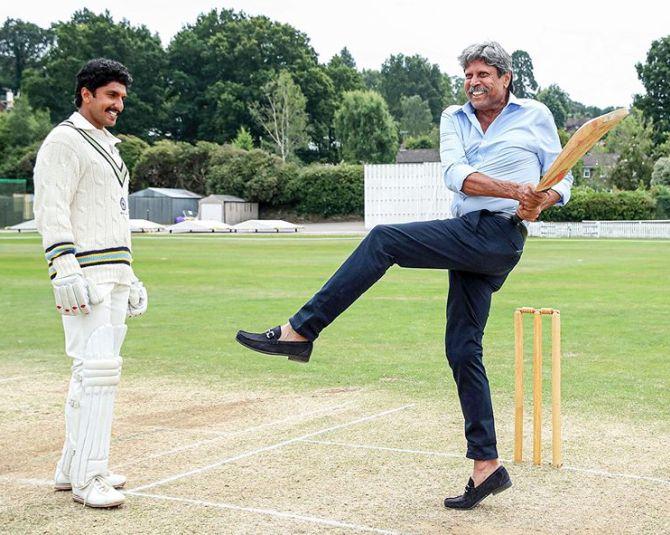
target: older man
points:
(494, 149)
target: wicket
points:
(537, 313)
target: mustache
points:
(112, 108)
(477, 88)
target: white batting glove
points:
(137, 299)
(74, 295)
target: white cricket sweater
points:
(81, 203)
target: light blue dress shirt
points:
(519, 146)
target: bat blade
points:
(578, 145)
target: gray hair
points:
(491, 53)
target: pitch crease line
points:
(15, 378)
(268, 448)
(593, 471)
(268, 512)
(325, 411)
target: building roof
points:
(221, 198)
(167, 192)
(602, 159)
(417, 156)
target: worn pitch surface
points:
(225, 460)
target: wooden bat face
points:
(578, 145)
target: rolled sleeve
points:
(455, 165)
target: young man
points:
(81, 211)
(494, 150)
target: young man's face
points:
(103, 106)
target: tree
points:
(660, 176)
(22, 126)
(342, 71)
(558, 102)
(365, 128)
(86, 36)
(458, 90)
(372, 80)
(412, 75)
(243, 140)
(415, 116)
(22, 45)
(654, 75)
(282, 115)
(220, 64)
(524, 84)
(632, 141)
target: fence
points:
(401, 193)
(602, 229)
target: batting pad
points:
(100, 373)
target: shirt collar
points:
(79, 121)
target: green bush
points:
(662, 195)
(588, 204)
(254, 175)
(329, 190)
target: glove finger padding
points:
(81, 298)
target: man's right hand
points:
(74, 295)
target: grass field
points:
(186, 381)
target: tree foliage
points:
(220, 64)
(660, 176)
(282, 115)
(415, 116)
(365, 128)
(253, 175)
(86, 36)
(22, 45)
(412, 75)
(243, 139)
(558, 102)
(632, 141)
(342, 71)
(654, 75)
(524, 84)
(174, 164)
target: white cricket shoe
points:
(98, 493)
(62, 481)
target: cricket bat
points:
(578, 145)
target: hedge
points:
(329, 190)
(587, 205)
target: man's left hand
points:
(137, 299)
(532, 199)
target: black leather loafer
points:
(495, 483)
(269, 344)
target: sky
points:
(588, 48)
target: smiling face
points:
(485, 89)
(103, 106)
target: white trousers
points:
(93, 341)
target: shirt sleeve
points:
(56, 179)
(455, 165)
(549, 147)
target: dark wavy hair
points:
(99, 72)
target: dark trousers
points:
(479, 249)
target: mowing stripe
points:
(267, 512)
(596, 472)
(268, 448)
(220, 435)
